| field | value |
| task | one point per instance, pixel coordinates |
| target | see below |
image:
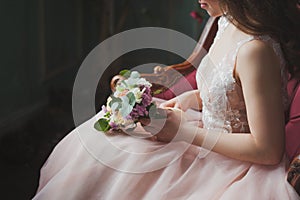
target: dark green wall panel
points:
(43, 43)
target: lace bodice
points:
(223, 105)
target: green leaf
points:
(102, 125)
(126, 110)
(116, 106)
(124, 83)
(131, 98)
(114, 100)
(107, 115)
(126, 73)
(157, 91)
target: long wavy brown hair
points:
(280, 19)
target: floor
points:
(23, 152)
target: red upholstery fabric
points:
(292, 127)
(184, 84)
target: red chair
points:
(292, 130)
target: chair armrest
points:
(293, 175)
(164, 77)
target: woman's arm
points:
(258, 69)
(259, 73)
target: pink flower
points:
(104, 109)
(113, 125)
(147, 97)
(197, 16)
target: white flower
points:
(107, 104)
(144, 82)
(134, 80)
(137, 94)
(121, 92)
(118, 119)
(135, 75)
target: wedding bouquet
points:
(131, 100)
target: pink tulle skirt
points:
(88, 164)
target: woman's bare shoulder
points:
(257, 56)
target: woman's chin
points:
(214, 14)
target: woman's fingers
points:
(156, 122)
(151, 130)
(177, 105)
(173, 104)
(169, 103)
(145, 121)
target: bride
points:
(236, 152)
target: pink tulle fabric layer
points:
(87, 164)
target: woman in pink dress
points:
(236, 152)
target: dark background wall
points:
(43, 43)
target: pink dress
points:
(87, 164)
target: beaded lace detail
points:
(223, 105)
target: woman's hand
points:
(190, 99)
(171, 126)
